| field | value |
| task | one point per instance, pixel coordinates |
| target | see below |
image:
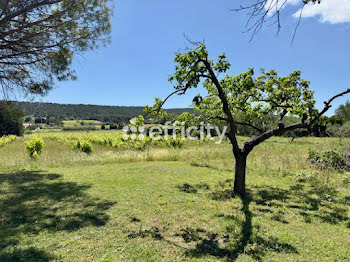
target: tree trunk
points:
(240, 174)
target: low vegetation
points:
(113, 139)
(330, 159)
(173, 204)
(84, 146)
(5, 140)
(34, 147)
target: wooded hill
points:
(114, 114)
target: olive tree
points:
(40, 38)
(255, 96)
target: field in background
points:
(172, 204)
(81, 123)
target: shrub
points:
(117, 144)
(5, 140)
(175, 142)
(332, 158)
(34, 147)
(76, 144)
(113, 127)
(84, 146)
(140, 146)
(345, 130)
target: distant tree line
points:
(12, 116)
(55, 113)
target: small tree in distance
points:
(254, 96)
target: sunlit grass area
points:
(172, 204)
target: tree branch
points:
(27, 9)
(225, 107)
(328, 103)
(281, 129)
(250, 125)
(262, 11)
(239, 123)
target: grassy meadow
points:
(172, 204)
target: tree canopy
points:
(40, 38)
(255, 96)
(10, 119)
(343, 111)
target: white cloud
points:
(279, 3)
(332, 11)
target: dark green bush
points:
(329, 159)
(86, 147)
(10, 119)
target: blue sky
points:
(135, 67)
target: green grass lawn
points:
(172, 204)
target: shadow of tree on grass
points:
(308, 201)
(233, 243)
(30, 254)
(239, 237)
(311, 202)
(31, 202)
